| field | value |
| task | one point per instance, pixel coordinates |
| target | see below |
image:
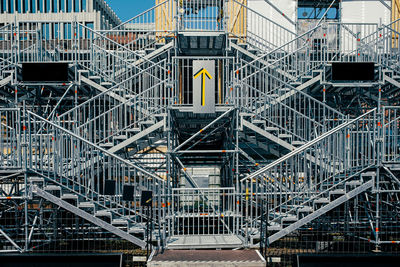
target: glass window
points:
(48, 5)
(61, 5)
(3, 6)
(17, 6)
(10, 6)
(33, 6)
(55, 9)
(83, 5)
(69, 5)
(67, 31)
(40, 6)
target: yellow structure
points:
(164, 22)
(395, 23)
(237, 23)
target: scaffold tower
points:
(271, 125)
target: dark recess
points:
(60, 260)
(45, 72)
(353, 71)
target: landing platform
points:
(204, 242)
(220, 258)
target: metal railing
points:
(10, 142)
(312, 170)
(391, 134)
(204, 211)
(251, 27)
(82, 168)
(114, 111)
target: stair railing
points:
(314, 167)
(259, 32)
(83, 168)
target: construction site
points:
(244, 132)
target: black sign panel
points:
(353, 71)
(127, 194)
(348, 260)
(109, 188)
(45, 72)
(146, 199)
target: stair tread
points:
(321, 200)
(103, 213)
(86, 205)
(69, 196)
(35, 179)
(52, 188)
(119, 221)
(298, 143)
(106, 145)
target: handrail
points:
(106, 152)
(306, 146)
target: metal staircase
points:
(286, 155)
(75, 179)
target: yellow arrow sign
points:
(204, 74)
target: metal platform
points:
(206, 241)
(246, 258)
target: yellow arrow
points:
(204, 73)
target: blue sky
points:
(127, 9)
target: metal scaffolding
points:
(288, 160)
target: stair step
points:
(354, 183)
(290, 218)
(106, 145)
(120, 137)
(244, 114)
(146, 122)
(368, 174)
(133, 130)
(284, 136)
(106, 84)
(35, 179)
(321, 200)
(270, 129)
(306, 209)
(337, 192)
(136, 230)
(86, 205)
(274, 228)
(94, 77)
(103, 213)
(69, 196)
(298, 143)
(119, 222)
(258, 122)
(52, 188)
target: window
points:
(317, 13)
(3, 6)
(56, 31)
(48, 4)
(69, 5)
(91, 26)
(40, 6)
(55, 10)
(61, 5)
(18, 6)
(76, 5)
(67, 31)
(10, 6)
(83, 5)
(26, 6)
(33, 6)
